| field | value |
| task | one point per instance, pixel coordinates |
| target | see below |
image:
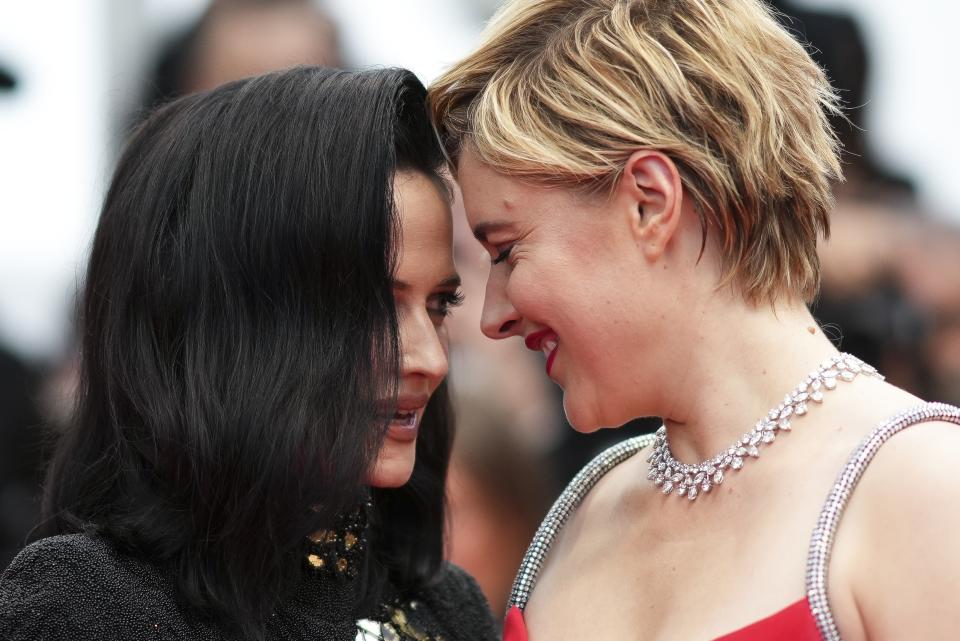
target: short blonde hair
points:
(562, 92)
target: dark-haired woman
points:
(261, 439)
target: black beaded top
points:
(80, 588)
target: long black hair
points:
(239, 338)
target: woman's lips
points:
(407, 413)
(404, 425)
(546, 341)
(550, 349)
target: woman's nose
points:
(499, 319)
(424, 350)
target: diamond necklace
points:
(670, 475)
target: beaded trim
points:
(821, 543)
(563, 507)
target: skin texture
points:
(425, 282)
(643, 326)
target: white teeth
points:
(548, 346)
(407, 419)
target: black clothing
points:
(79, 587)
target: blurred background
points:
(75, 76)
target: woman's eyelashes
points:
(442, 304)
(503, 255)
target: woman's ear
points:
(651, 187)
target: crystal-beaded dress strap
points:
(563, 508)
(821, 543)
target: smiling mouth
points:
(545, 341)
(405, 424)
(406, 419)
(549, 350)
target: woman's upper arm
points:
(33, 602)
(459, 595)
(907, 575)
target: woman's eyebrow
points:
(450, 281)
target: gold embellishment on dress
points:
(340, 550)
(407, 631)
(349, 540)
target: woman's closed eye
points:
(503, 255)
(442, 304)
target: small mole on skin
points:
(812, 330)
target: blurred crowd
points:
(891, 295)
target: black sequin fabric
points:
(78, 588)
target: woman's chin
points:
(393, 469)
(581, 419)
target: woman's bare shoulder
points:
(904, 518)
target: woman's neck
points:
(737, 371)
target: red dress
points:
(793, 623)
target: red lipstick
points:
(544, 340)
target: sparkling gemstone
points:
(853, 367)
(676, 478)
(668, 472)
(817, 396)
(699, 478)
(753, 451)
(349, 540)
(756, 438)
(652, 455)
(692, 492)
(768, 437)
(830, 373)
(815, 385)
(705, 486)
(682, 490)
(801, 397)
(652, 474)
(727, 460)
(658, 480)
(737, 463)
(784, 423)
(711, 470)
(745, 439)
(718, 477)
(667, 487)
(847, 375)
(830, 383)
(787, 412)
(741, 451)
(801, 409)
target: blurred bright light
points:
(75, 60)
(53, 155)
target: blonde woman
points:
(650, 179)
